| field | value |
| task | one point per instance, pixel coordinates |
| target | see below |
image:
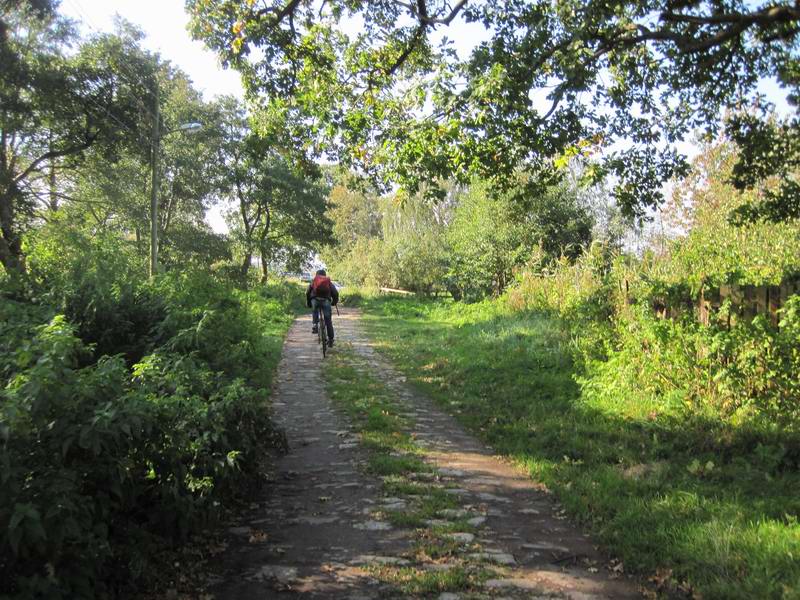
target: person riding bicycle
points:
(322, 292)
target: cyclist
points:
(322, 292)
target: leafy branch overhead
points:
(379, 85)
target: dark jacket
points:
(310, 293)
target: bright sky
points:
(164, 22)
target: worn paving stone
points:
(368, 559)
(462, 538)
(497, 558)
(436, 522)
(545, 546)
(280, 573)
(486, 497)
(373, 526)
(307, 536)
(448, 472)
(453, 513)
(316, 520)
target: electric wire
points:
(132, 80)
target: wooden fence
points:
(746, 301)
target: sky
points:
(164, 23)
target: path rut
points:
(314, 535)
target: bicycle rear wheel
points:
(323, 332)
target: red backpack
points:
(321, 286)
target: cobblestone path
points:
(318, 530)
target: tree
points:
(109, 188)
(188, 164)
(354, 215)
(53, 107)
(555, 77)
(415, 252)
(491, 237)
(709, 251)
(279, 206)
(355, 211)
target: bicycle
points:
(322, 329)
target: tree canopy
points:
(622, 81)
(55, 106)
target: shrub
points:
(102, 457)
(745, 372)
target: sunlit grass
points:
(710, 504)
(423, 582)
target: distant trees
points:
(470, 245)
(76, 147)
(276, 210)
(54, 106)
(490, 238)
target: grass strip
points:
(397, 459)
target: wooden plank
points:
(386, 290)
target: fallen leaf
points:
(661, 577)
(258, 537)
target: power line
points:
(139, 81)
(137, 134)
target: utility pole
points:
(154, 168)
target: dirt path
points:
(319, 532)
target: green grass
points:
(435, 545)
(714, 504)
(421, 582)
(382, 464)
(431, 500)
(394, 456)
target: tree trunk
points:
(263, 244)
(11, 257)
(245, 268)
(10, 242)
(264, 267)
(51, 180)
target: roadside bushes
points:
(584, 294)
(107, 452)
(746, 373)
(470, 245)
(96, 283)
